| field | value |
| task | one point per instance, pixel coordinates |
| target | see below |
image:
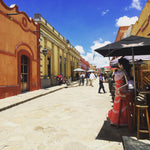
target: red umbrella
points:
(107, 67)
(114, 68)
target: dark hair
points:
(126, 65)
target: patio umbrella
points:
(108, 67)
(126, 47)
(130, 46)
(91, 70)
(136, 58)
(79, 70)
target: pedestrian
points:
(87, 78)
(101, 86)
(92, 77)
(82, 76)
(77, 76)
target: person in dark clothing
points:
(77, 76)
(101, 84)
(82, 76)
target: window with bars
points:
(49, 66)
(60, 62)
(24, 68)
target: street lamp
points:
(44, 51)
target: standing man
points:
(92, 77)
(82, 76)
(101, 83)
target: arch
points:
(23, 46)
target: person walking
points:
(101, 86)
(82, 76)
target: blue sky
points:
(87, 24)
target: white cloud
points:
(80, 49)
(136, 4)
(98, 59)
(105, 12)
(126, 21)
(99, 43)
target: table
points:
(128, 97)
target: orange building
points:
(121, 32)
(84, 64)
(19, 52)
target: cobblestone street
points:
(68, 119)
(75, 75)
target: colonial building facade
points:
(19, 52)
(142, 28)
(57, 55)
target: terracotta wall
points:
(17, 37)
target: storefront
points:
(19, 52)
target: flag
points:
(93, 55)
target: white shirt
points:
(82, 75)
(92, 76)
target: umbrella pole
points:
(134, 73)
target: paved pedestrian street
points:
(68, 119)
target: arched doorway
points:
(24, 73)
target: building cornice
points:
(52, 40)
(56, 35)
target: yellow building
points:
(57, 55)
(142, 28)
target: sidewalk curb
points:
(27, 100)
(34, 97)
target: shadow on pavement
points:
(112, 133)
(130, 143)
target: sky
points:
(87, 24)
